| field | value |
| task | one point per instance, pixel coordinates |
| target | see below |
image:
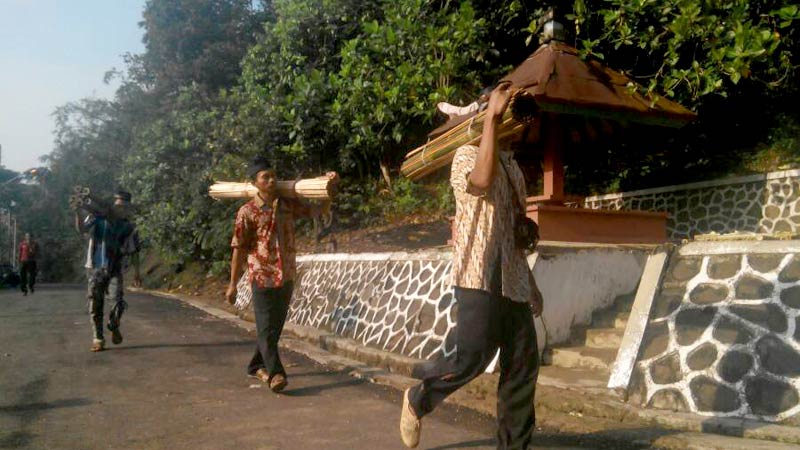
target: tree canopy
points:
(352, 85)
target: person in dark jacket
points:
(112, 241)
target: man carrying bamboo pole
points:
(495, 291)
(263, 235)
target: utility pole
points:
(5, 214)
(8, 237)
(14, 246)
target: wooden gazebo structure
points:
(566, 96)
(560, 84)
(556, 87)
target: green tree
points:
(286, 88)
(170, 171)
(196, 42)
(394, 73)
(733, 62)
(689, 49)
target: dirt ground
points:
(413, 233)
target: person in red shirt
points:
(264, 235)
(28, 251)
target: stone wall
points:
(403, 302)
(723, 337)
(765, 203)
(400, 302)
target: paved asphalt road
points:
(178, 382)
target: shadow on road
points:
(314, 390)
(30, 394)
(634, 438)
(42, 406)
(187, 345)
(17, 439)
(66, 314)
(469, 444)
(321, 373)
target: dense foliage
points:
(351, 85)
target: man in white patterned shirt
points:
(495, 292)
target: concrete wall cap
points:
(739, 247)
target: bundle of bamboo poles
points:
(440, 151)
(320, 188)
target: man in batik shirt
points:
(494, 289)
(264, 235)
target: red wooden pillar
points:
(553, 140)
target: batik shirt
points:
(484, 227)
(268, 239)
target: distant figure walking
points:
(28, 252)
(112, 239)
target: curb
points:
(567, 409)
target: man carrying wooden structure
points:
(495, 291)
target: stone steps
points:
(611, 319)
(588, 380)
(624, 303)
(599, 359)
(610, 338)
(594, 347)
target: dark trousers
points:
(101, 282)
(484, 323)
(27, 275)
(271, 305)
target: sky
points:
(53, 52)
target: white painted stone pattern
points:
(403, 302)
(402, 306)
(771, 281)
(762, 206)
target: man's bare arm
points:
(487, 159)
(237, 267)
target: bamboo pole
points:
(439, 152)
(320, 188)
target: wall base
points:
(560, 223)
